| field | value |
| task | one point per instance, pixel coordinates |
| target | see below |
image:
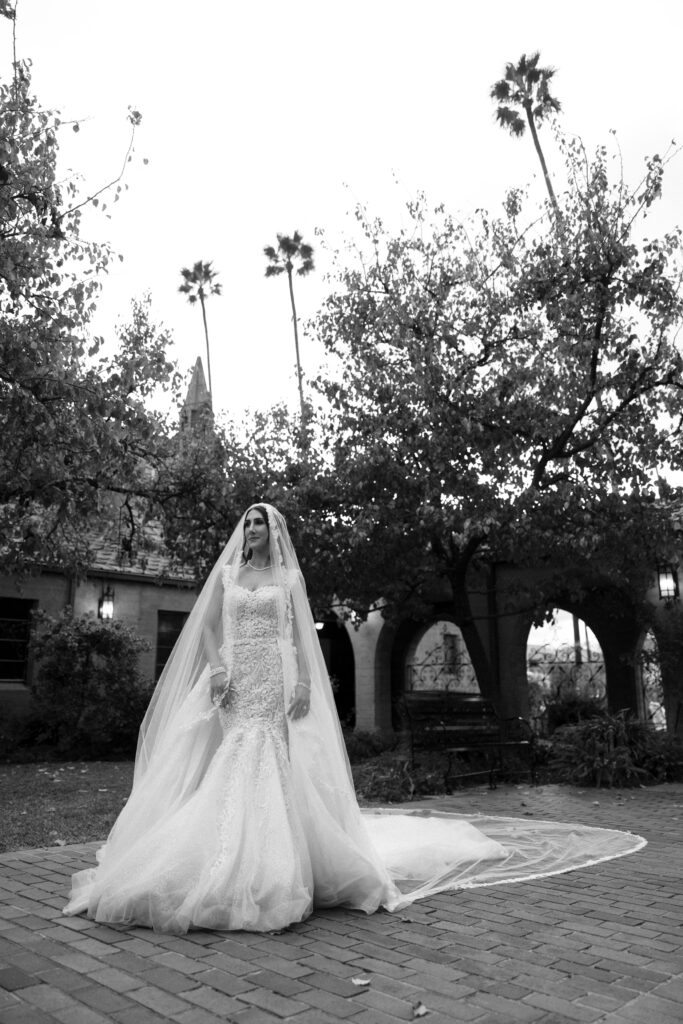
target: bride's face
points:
(256, 530)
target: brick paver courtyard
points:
(601, 944)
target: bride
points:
(243, 814)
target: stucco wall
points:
(136, 602)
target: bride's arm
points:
(217, 674)
(300, 702)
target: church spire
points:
(197, 408)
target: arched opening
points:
(565, 672)
(437, 660)
(429, 657)
(338, 655)
(650, 668)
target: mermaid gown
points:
(244, 852)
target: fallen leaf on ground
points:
(360, 981)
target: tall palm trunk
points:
(296, 346)
(206, 335)
(539, 152)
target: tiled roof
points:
(150, 558)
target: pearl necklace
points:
(258, 568)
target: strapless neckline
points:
(255, 590)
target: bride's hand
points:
(217, 683)
(300, 702)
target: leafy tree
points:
(483, 371)
(527, 86)
(215, 471)
(198, 284)
(74, 423)
(289, 252)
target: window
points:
(169, 628)
(15, 632)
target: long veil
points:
(366, 859)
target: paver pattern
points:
(601, 944)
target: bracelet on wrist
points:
(306, 686)
(216, 671)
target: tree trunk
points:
(539, 151)
(476, 648)
(206, 335)
(296, 346)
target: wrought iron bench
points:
(466, 729)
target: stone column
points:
(373, 683)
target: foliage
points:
(74, 422)
(215, 472)
(88, 696)
(524, 85)
(614, 750)
(570, 709)
(290, 250)
(657, 752)
(501, 392)
(392, 778)
(596, 752)
(360, 746)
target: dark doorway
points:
(338, 655)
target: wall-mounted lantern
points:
(667, 581)
(105, 608)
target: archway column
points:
(513, 694)
(373, 684)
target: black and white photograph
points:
(341, 512)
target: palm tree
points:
(527, 86)
(198, 284)
(282, 260)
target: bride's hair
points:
(246, 551)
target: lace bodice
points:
(252, 627)
(252, 615)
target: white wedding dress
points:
(244, 819)
(245, 852)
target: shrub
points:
(88, 696)
(391, 778)
(360, 746)
(572, 709)
(659, 753)
(613, 750)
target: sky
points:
(268, 117)
(560, 633)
